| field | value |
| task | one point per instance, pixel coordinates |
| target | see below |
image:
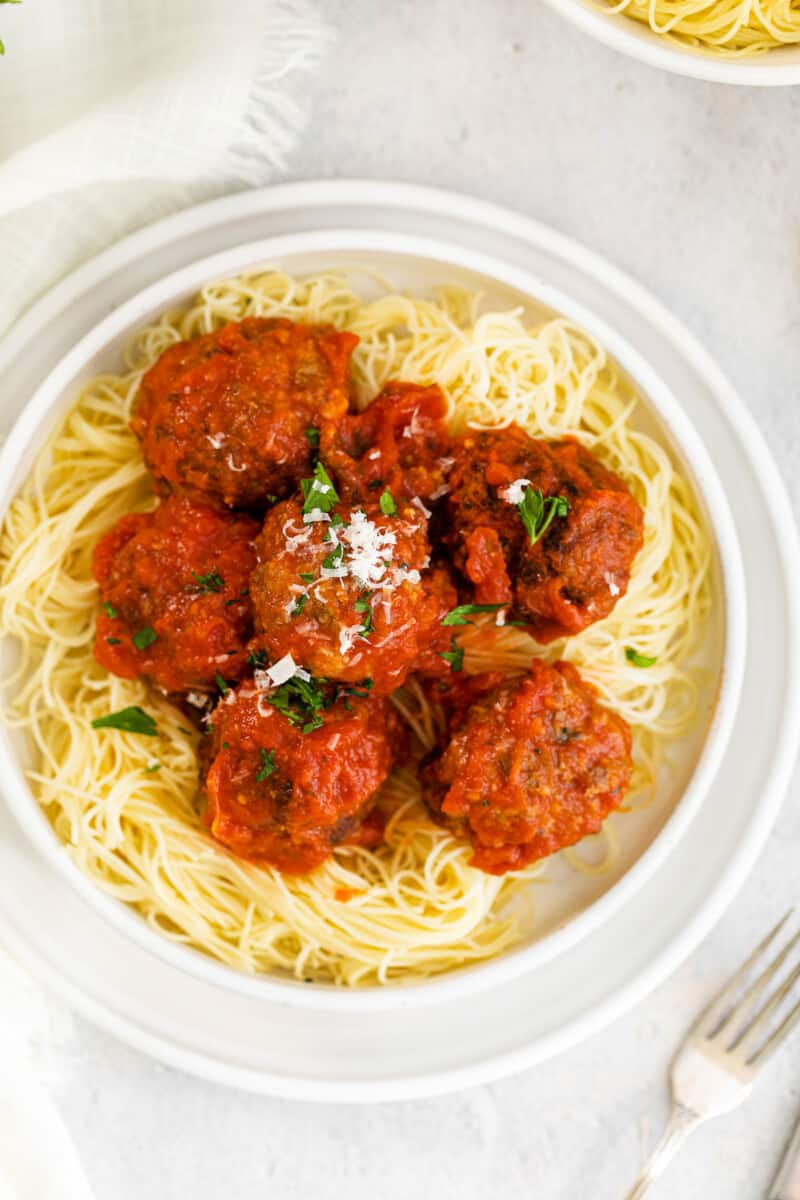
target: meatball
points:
(570, 563)
(174, 585)
(232, 415)
(533, 764)
(284, 797)
(350, 595)
(400, 442)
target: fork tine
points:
(780, 1035)
(757, 987)
(747, 1039)
(708, 1019)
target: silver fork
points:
(724, 1051)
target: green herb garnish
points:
(108, 607)
(334, 559)
(307, 576)
(387, 504)
(145, 637)
(154, 766)
(131, 720)
(337, 519)
(301, 701)
(258, 659)
(458, 616)
(362, 605)
(267, 765)
(455, 655)
(319, 492)
(299, 605)
(222, 684)
(212, 582)
(639, 660)
(539, 511)
(114, 641)
(312, 437)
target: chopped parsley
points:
(319, 492)
(267, 765)
(312, 437)
(387, 504)
(211, 582)
(362, 605)
(222, 684)
(258, 659)
(538, 512)
(145, 637)
(114, 641)
(639, 660)
(336, 520)
(109, 610)
(307, 576)
(334, 559)
(152, 768)
(301, 701)
(458, 616)
(130, 720)
(455, 655)
(299, 605)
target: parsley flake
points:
(387, 504)
(538, 512)
(114, 641)
(362, 605)
(639, 660)
(307, 576)
(130, 720)
(267, 765)
(299, 605)
(144, 637)
(312, 437)
(319, 492)
(109, 610)
(334, 559)
(455, 655)
(258, 659)
(458, 616)
(222, 684)
(211, 582)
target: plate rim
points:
(748, 436)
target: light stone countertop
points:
(694, 189)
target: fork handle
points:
(681, 1123)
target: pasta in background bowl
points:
(724, 41)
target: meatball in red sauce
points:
(559, 578)
(531, 766)
(399, 441)
(174, 586)
(232, 415)
(351, 595)
(282, 797)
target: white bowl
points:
(578, 904)
(775, 68)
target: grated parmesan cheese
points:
(515, 492)
(215, 439)
(232, 465)
(347, 637)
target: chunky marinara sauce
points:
(531, 766)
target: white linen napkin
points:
(114, 112)
(37, 1157)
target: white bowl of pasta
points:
(723, 41)
(412, 919)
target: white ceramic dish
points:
(261, 1041)
(776, 68)
(576, 903)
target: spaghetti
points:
(125, 805)
(728, 27)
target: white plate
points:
(775, 68)
(265, 1044)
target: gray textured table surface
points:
(694, 189)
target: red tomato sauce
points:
(531, 766)
(176, 581)
(286, 798)
(231, 416)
